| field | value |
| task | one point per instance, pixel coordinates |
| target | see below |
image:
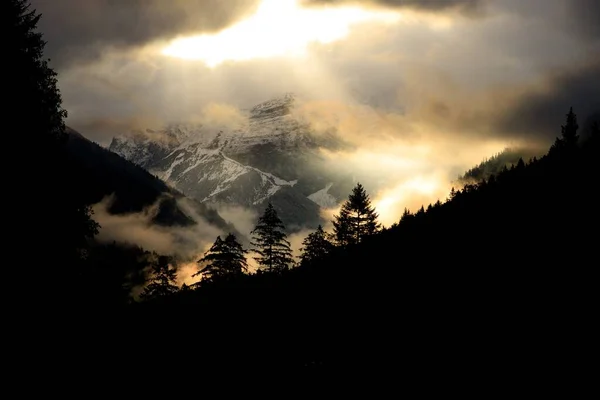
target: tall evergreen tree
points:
(270, 242)
(225, 259)
(33, 91)
(163, 278)
(35, 122)
(569, 137)
(569, 130)
(315, 246)
(357, 218)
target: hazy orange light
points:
(278, 28)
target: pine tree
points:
(342, 227)
(357, 218)
(33, 91)
(162, 280)
(315, 246)
(406, 215)
(270, 242)
(569, 130)
(453, 193)
(35, 120)
(225, 259)
(569, 137)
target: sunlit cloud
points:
(401, 174)
(421, 96)
(411, 194)
(278, 28)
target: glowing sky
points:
(278, 28)
(423, 90)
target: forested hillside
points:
(516, 250)
(493, 165)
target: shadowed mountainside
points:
(100, 173)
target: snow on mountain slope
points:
(323, 198)
(271, 157)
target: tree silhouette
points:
(315, 246)
(357, 218)
(407, 215)
(270, 242)
(35, 122)
(34, 92)
(162, 280)
(569, 130)
(225, 259)
(569, 137)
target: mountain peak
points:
(276, 107)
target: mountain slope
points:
(496, 163)
(100, 173)
(501, 272)
(273, 156)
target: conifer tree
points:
(35, 120)
(569, 130)
(453, 193)
(315, 246)
(163, 278)
(569, 137)
(33, 92)
(357, 218)
(225, 259)
(270, 242)
(406, 215)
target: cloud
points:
(217, 116)
(212, 117)
(540, 112)
(243, 219)
(187, 244)
(102, 130)
(579, 17)
(79, 30)
(428, 5)
(455, 78)
(583, 17)
(137, 228)
(421, 99)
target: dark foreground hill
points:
(495, 285)
(500, 279)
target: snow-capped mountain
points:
(273, 156)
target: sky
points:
(424, 88)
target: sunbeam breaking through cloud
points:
(278, 28)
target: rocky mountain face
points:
(273, 156)
(99, 173)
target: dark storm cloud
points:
(585, 17)
(79, 30)
(539, 114)
(429, 5)
(580, 18)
